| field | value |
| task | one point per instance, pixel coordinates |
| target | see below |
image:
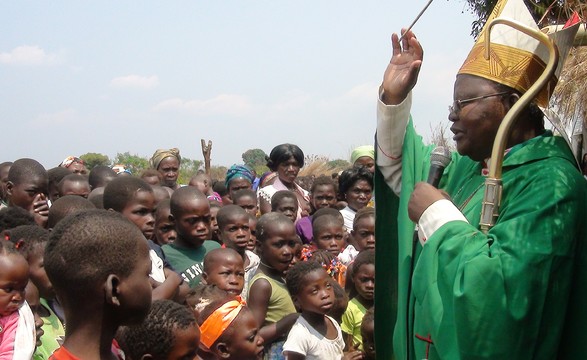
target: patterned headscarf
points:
(71, 160)
(239, 171)
(161, 154)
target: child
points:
(4, 169)
(315, 335)
(214, 208)
(164, 225)
(247, 199)
(362, 236)
(74, 184)
(252, 245)
(224, 268)
(170, 331)
(27, 188)
(234, 232)
(55, 175)
(203, 182)
(228, 328)
(100, 176)
(99, 265)
(31, 240)
(11, 217)
(161, 193)
(151, 177)
(191, 213)
(322, 195)
(17, 339)
(64, 206)
(285, 202)
(368, 334)
(134, 199)
(362, 295)
(268, 297)
(329, 234)
(341, 301)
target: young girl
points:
(30, 241)
(362, 236)
(17, 324)
(362, 291)
(170, 331)
(315, 335)
(228, 328)
(268, 297)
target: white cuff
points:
(436, 215)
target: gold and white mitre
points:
(516, 59)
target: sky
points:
(112, 76)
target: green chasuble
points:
(515, 293)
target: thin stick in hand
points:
(416, 19)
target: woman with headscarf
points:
(286, 160)
(238, 177)
(364, 156)
(167, 162)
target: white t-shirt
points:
(250, 271)
(304, 339)
(349, 215)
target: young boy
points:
(170, 331)
(27, 188)
(315, 335)
(100, 176)
(164, 225)
(253, 227)
(285, 202)
(234, 232)
(224, 268)
(191, 212)
(66, 205)
(4, 168)
(203, 182)
(322, 195)
(98, 263)
(247, 199)
(74, 184)
(134, 199)
(329, 234)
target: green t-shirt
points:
(53, 335)
(189, 262)
(351, 321)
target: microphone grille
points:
(440, 156)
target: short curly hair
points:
(156, 334)
(296, 275)
(86, 247)
(350, 176)
(13, 216)
(26, 237)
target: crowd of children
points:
(103, 264)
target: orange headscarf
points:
(219, 321)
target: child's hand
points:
(40, 210)
(353, 355)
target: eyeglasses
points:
(458, 105)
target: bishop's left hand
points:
(422, 197)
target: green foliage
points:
(218, 172)
(94, 159)
(256, 160)
(187, 169)
(134, 163)
(552, 11)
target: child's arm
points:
(41, 210)
(292, 355)
(348, 341)
(167, 289)
(259, 295)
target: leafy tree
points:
(256, 160)
(218, 172)
(94, 159)
(545, 11)
(187, 169)
(134, 163)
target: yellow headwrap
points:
(365, 150)
(161, 154)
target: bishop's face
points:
(475, 122)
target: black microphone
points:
(439, 159)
